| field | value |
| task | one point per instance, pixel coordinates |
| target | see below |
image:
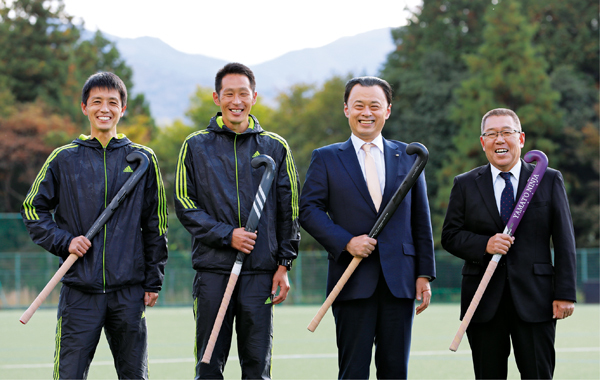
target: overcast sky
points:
(250, 32)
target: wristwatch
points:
(285, 262)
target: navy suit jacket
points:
(336, 206)
(534, 278)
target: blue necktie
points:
(507, 200)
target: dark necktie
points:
(507, 200)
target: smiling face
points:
(502, 152)
(104, 110)
(236, 99)
(367, 110)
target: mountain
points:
(169, 77)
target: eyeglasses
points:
(494, 135)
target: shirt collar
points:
(358, 143)
(515, 171)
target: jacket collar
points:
(216, 125)
(349, 159)
(92, 142)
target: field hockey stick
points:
(135, 177)
(259, 202)
(408, 182)
(520, 207)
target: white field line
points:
(284, 357)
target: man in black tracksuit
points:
(214, 191)
(121, 270)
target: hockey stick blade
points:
(251, 224)
(514, 220)
(385, 216)
(135, 177)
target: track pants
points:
(81, 317)
(251, 307)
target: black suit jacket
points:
(534, 278)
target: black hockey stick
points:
(251, 224)
(98, 224)
(384, 218)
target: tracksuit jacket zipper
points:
(105, 205)
(237, 185)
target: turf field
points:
(26, 352)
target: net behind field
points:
(25, 269)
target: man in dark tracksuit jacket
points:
(121, 270)
(214, 191)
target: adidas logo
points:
(256, 154)
(128, 169)
(269, 300)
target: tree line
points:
(453, 61)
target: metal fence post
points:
(18, 278)
(584, 265)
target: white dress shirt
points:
(376, 152)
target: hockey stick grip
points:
(68, 263)
(210, 346)
(143, 161)
(485, 280)
(334, 293)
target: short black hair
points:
(234, 68)
(369, 82)
(106, 80)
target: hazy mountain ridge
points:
(169, 77)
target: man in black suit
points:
(529, 290)
(339, 206)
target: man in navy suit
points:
(529, 290)
(339, 206)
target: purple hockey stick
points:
(514, 220)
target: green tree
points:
(567, 33)
(507, 72)
(202, 107)
(425, 69)
(29, 133)
(580, 150)
(309, 117)
(43, 65)
(99, 54)
(36, 37)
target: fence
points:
(25, 269)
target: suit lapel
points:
(486, 188)
(347, 155)
(392, 156)
(526, 170)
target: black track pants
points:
(251, 306)
(81, 317)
